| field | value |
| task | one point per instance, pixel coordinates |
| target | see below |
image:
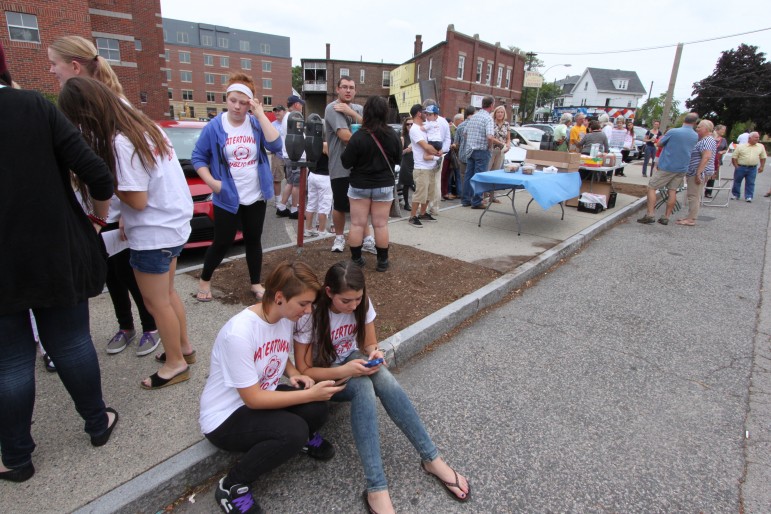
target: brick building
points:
(320, 78)
(126, 32)
(459, 72)
(199, 58)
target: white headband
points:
(241, 88)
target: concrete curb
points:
(163, 483)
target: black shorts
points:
(340, 194)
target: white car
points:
(522, 140)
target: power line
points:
(653, 47)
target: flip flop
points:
(158, 382)
(685, 223)
(189, 358)
(203, 296)
(258, 294)
(448, 485)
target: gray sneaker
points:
(368, 245)
(339, 244)
(148, 343)
(664, 220)
(647, 220)
(120, 341)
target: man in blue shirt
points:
(673, 164)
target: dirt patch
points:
(417, 284)
(638, 190)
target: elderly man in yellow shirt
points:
(748, 160)
(577, 132)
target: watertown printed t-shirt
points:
(342, 328)
(247, 351)
(241, 153)
(165, 222)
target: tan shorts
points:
(667, 180)
(277, 167)
(425, 185)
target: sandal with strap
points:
(203, 296)
(189, 358)
(448, 485)
(158, 382)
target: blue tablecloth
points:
(547, 189)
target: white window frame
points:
(244, 46)
(265, 48)
(211, 96)
(461, 66)
(187, 92)
(182, 76)
(267, 66)
(207, 40)
(430, 68)
(224, 61)
(171, 94)
(183, 37)
(489, 74)
(267, 100)
(345, 72)
(223, 42)
(208, 60)
(499, 78)
(362, 75)
(246, 64)
(208, 78)
(108, 48)
(386, 82)
(508, 78)
(267, 83)
(184, 57)
(480, 65)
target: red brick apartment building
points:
(199, 59)
(126, 32)
(459, 72)
(320, 78)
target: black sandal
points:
(448, 485)
(158, 382)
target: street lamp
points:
(535, 106)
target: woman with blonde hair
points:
(71, 56)
(502, 134)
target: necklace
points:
(262, 314)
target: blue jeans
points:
(64, 333)
(649, 155)
(476, 163)
(361, 392)
(744, 172)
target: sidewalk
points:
(157, 452)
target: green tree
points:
(653, 108)
(297, 78)
(547, 93)
(738, 90)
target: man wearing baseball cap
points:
(292, 187)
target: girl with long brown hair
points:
(156, 208)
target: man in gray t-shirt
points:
(338, 118)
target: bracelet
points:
(102, 222)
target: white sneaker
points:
(339, 244)
(310, 233)
(369, 245)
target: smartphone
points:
(342, 381)
(373, 362)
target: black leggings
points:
(268, 438)
(120, 282)
(225, 227)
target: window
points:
(621, 83)
(267, 66)
(223, 42)
(607, 102)
(265, 48)
(508, 78)
(142, 97)
(361, 76)
(22, 27)
(386, 79)
(224, 62)
(246, 64)
(586, 86)
(244, 46)
(267, 83)
(182, 37)
(168, 75)
(224, 99)
(207, 40)
(461, 66)
(187, 94)
(479, 72)
(345, 72)
(267, 100)
(489, 74)
(210, 96)
(166, 55)
(171, 94)
(208, 78)
(186, 76)
(138, 45)
(208, 60)
(430, 68)
(184, 57)
(108, 48)
(223, 79)
(417, 72)
(499, 80)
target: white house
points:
(597, 90)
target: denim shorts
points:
(378, 194)
(156, 262)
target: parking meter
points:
(314, 139)
(295, 138)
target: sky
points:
(358, 31)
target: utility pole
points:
(530, 58)
(671, 90)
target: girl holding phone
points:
(336, 341)
(243, 406)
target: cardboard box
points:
(563, 161)
(598, 188)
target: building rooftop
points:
(188, 33)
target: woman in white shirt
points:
(336, 342)
(156, 208)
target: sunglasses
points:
(409, 124)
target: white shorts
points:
(319, 194)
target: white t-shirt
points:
(433, 131)
(418, 134)
(248, 351)
(743, 138)
(165, 222)
(342, 328)
(241, 153)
